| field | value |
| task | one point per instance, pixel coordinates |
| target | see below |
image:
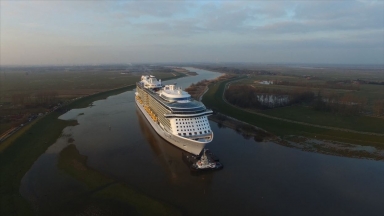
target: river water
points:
(258, 177)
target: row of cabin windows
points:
(195, 133)
(188, 119)
(192, 129)
(191, 123)
(185, 121)
(189, 126)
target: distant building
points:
(266, 82)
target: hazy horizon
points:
(48, 33)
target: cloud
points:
(168, 30)
(153, 8)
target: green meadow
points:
(213, 99)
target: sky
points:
(108, 32)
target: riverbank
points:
(197, 90)
(20, 153)
(243, 128)
(286, 129)
(184, 71)
(19, 156)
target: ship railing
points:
(187, 114)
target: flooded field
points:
(113, 156)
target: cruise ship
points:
(174, 115)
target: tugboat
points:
(206, 162)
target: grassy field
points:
(213, 99)
(371, 93)
(68, 84)
(20, 152)
(308, 115)
(332, 72)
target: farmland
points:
(27, 91)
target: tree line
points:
(195, 90)
(247, 96)
(370, 82)
(329, 84)
(336, 103)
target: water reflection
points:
(164, 151)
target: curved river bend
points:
(258, 177)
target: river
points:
(258, 177)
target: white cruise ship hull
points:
(191, 146)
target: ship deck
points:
(191, 107)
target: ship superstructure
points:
(174, 115)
